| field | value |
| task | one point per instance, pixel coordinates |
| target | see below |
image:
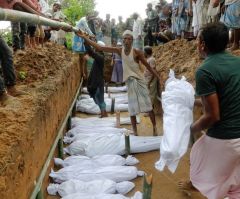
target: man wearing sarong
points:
(215, 157)
(231, 18)
(138, 95)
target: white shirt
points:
(137, 28)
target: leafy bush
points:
(74, 10)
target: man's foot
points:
(186, 185)
(6, 100)
(135, 132)
(103, 114)
(234, 47)
(14, 92)
(146, 114)
(155, 131)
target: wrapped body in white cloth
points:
(120, 98)
(111, 144)
(137, 195)
(96, 123)
(111, 89)
(90, 107)
(91, 130)
(91, 187)
(114, 173)
(96, 161)
(177, 102)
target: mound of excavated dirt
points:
(181, 56)
(38, 64)
(40, 72)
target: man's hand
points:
(215, 3)
(80, 33)
(67, 29)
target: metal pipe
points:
(18, 16)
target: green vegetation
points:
(74, 10)
(7, 36)
(22, 75)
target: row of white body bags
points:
(137, 195)
(114, 173)
(96, 161)
(92, 187)
(177, 103)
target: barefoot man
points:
(215, 157)
(138, 96)
(7, 87)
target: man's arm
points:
(96, 46)
(211, 113)
(141, 58)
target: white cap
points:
(101, 43)
(119, 43)
(127, 32)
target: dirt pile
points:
(40, 63)
(181, 56)
(37, 72)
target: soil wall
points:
(28, 124)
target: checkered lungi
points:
(138, 96)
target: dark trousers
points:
(19, 31)
(99, 98)
(149, 39)
(6, 58)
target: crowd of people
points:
(215, 157)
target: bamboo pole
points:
(113, 105)
(60, 148)
(147, 186)
(127, 144)
(117, 119)
(18, 16)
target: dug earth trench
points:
(29, 124)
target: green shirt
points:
(220, 73)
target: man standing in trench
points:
(138, 96)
